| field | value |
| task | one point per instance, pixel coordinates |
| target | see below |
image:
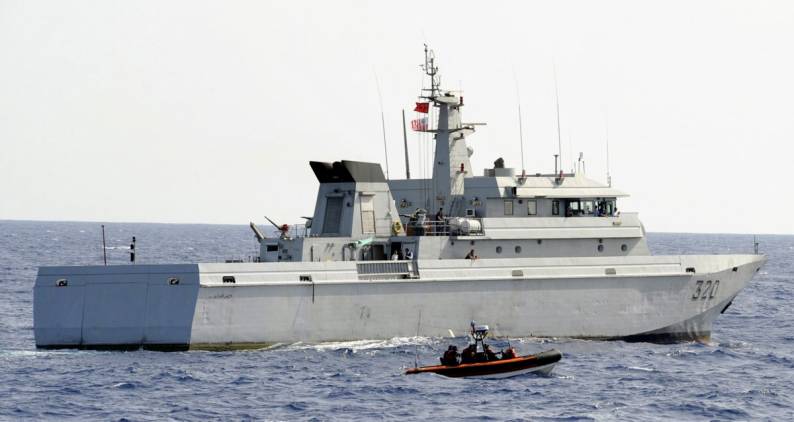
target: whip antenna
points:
(557, 97)
(520, 126)
(382, 124)
(606, 124)
(405, 141)
(104, 247)
(416, 345)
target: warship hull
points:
(250, 305)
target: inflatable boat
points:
(541, 363)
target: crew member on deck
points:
(440, 215)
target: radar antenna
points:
(431, 70)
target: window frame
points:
(534, 204)
(511, 206)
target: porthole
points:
(498, 249)
(600, 248)
(624, 248)
(540, 241)
(518, 249)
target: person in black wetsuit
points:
(469, 354)
(489, 354)
(450, 357)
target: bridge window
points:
(588, 207)
(532, 207)
(509, 207)
(606, 207)
(574, 208)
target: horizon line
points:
(244, 224)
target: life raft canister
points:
(397, 227)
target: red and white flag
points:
(419, 124)
(422, 107)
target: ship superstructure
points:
(533, 254)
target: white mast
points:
(451, 163)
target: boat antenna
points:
(382, 124)
(520, 126)
(405, 141)
(416, 345)
(104, 247)
(557, 98)
(606, 124)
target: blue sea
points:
(746, 372)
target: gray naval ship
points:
(544, 255)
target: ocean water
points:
(745, 372)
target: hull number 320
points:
(705, 289)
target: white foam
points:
(366, 344)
